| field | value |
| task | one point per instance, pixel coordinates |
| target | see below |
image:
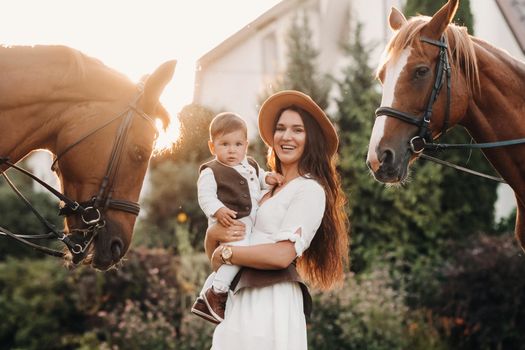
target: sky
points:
(132, 36)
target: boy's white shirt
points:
(207, 189)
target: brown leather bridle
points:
(424, 136)
(423, 140)
(91, 212)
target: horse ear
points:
(441, 19)
(155, 84)
(396, 19)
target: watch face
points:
(226, 252)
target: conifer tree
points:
(301, 66)
(463, 16)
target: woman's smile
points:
(289, 137)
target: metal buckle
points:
(80, 248)
(77, 249)
(421, 145)
(75, 206)
(92, 221)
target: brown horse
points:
(483, 91)
(100, 128)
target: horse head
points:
(101, 161)
(416, 104)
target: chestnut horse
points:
(98, 125)
(436, 76)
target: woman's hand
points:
(216, 258)
(217, 234)
(235, 232)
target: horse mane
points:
(63, 66)
(463, 53)
(79, 63)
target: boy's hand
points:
(273, 179)
(225, 216)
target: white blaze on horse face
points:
(393, 71)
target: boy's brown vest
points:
(232, 187)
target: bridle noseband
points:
(91, 212)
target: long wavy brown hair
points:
(324, 263)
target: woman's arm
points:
(217, 234)
(302, 219)
(271, 256)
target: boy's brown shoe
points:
(200, 309)
(216, 303)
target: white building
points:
(233, 75)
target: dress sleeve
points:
(207, 193)
(304, 216)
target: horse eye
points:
(421, 72)
(139, 154)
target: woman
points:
(303, 220)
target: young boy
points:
(229, 188)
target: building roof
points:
(248, 31)
(514, 13)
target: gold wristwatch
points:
(226, 254)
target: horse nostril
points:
(116, 249)
(387, 157)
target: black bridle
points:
(423, 140)
(424, 136)
(91, 212)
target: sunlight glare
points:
(167, 136)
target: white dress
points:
(272, 317)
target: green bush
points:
(480, 301)
(36, 305)
(17, 218)
(143, 305)
(367, 313)
(146, 304)
(473, 302)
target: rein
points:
(92, 211)
(423, 141)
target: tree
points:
(301, 67)
(194, 121)
(429, 7)
(172, 209)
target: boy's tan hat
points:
(287, 98)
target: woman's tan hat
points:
(286, 98)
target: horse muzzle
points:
(389, 166)
(109, 246)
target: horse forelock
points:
(460, 49)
